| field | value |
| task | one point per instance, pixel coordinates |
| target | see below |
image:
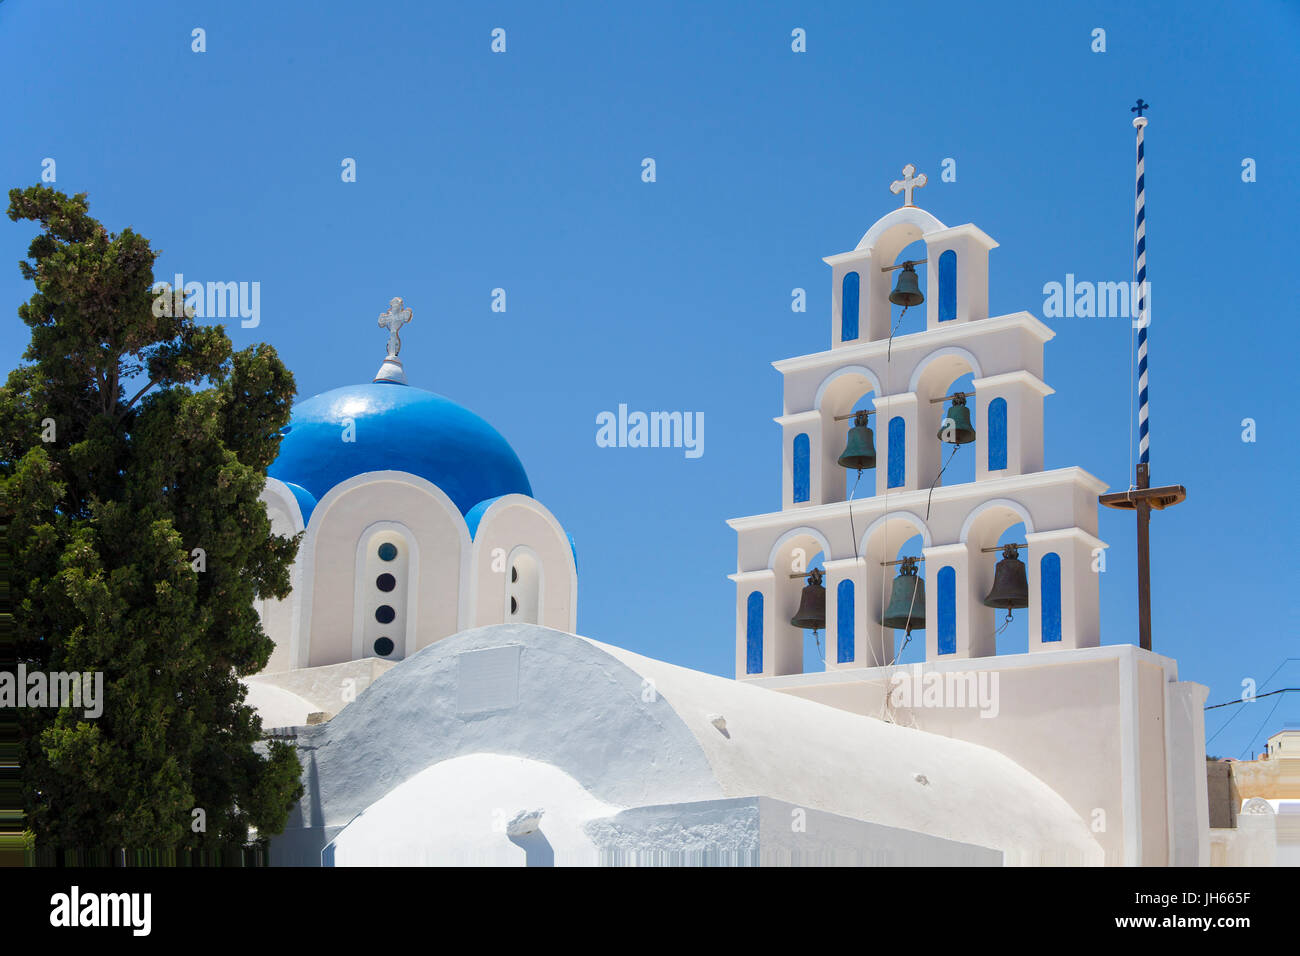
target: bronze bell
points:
(1010, 581)
(907, 291)
(860, 449)
(956, 428)
(811, 615)
(906, 611)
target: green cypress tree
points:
(129, 438)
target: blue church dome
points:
(398, 428)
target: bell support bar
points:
(1000, 547)
(905, 265)
(883, 564)
(940, 401)
(844, 418)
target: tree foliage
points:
(129, 439)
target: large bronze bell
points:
(1010, 581)
(956, 428)
(811, 615)
(907, 291)
(860, 449)
(906, 611)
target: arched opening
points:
(908, 649)
(901, 241)
(795, 650)
(887, 540)
(754, 633)
(849, 305)
(801, 468)
(845, 625)
(992, 526)
(945, 583)
(523, 603)
(941, 374)
(1012, 634)
(845, 392)
(897, 438)
(997, 436)
(947, 285)
(1049, 584)
(858, 483)
(815, 649)
(912, 319)
(382, 593)
(957, 462)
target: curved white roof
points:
(633, 732)
(817, 756)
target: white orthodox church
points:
(446, 711)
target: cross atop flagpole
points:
(1142, 498)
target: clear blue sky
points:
(523, 171)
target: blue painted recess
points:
(946, 582)
(802, 465)
(306, 503)
(754, 633)
(844, 622)
(997, 434)
(1050, 605)
(947, 286)
(897, 452)
(849, 307)
(397, 428)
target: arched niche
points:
(983, 528)
(521, 552)
(329, 556)
(525, 587)
(839, 394)
(880, 543)
(931, 379)
(385, 604)
(793, 555)
(889, 236)
(753, 632)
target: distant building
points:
(1266, 831)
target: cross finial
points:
(907, 184)
(392, 320)
(1140, 108)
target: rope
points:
(930, 497)
(852, 528)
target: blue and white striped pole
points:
(1140, 227)
(1141, 497)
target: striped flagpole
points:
(1140, 226)
(1141, 498)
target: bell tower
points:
(903, 330)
